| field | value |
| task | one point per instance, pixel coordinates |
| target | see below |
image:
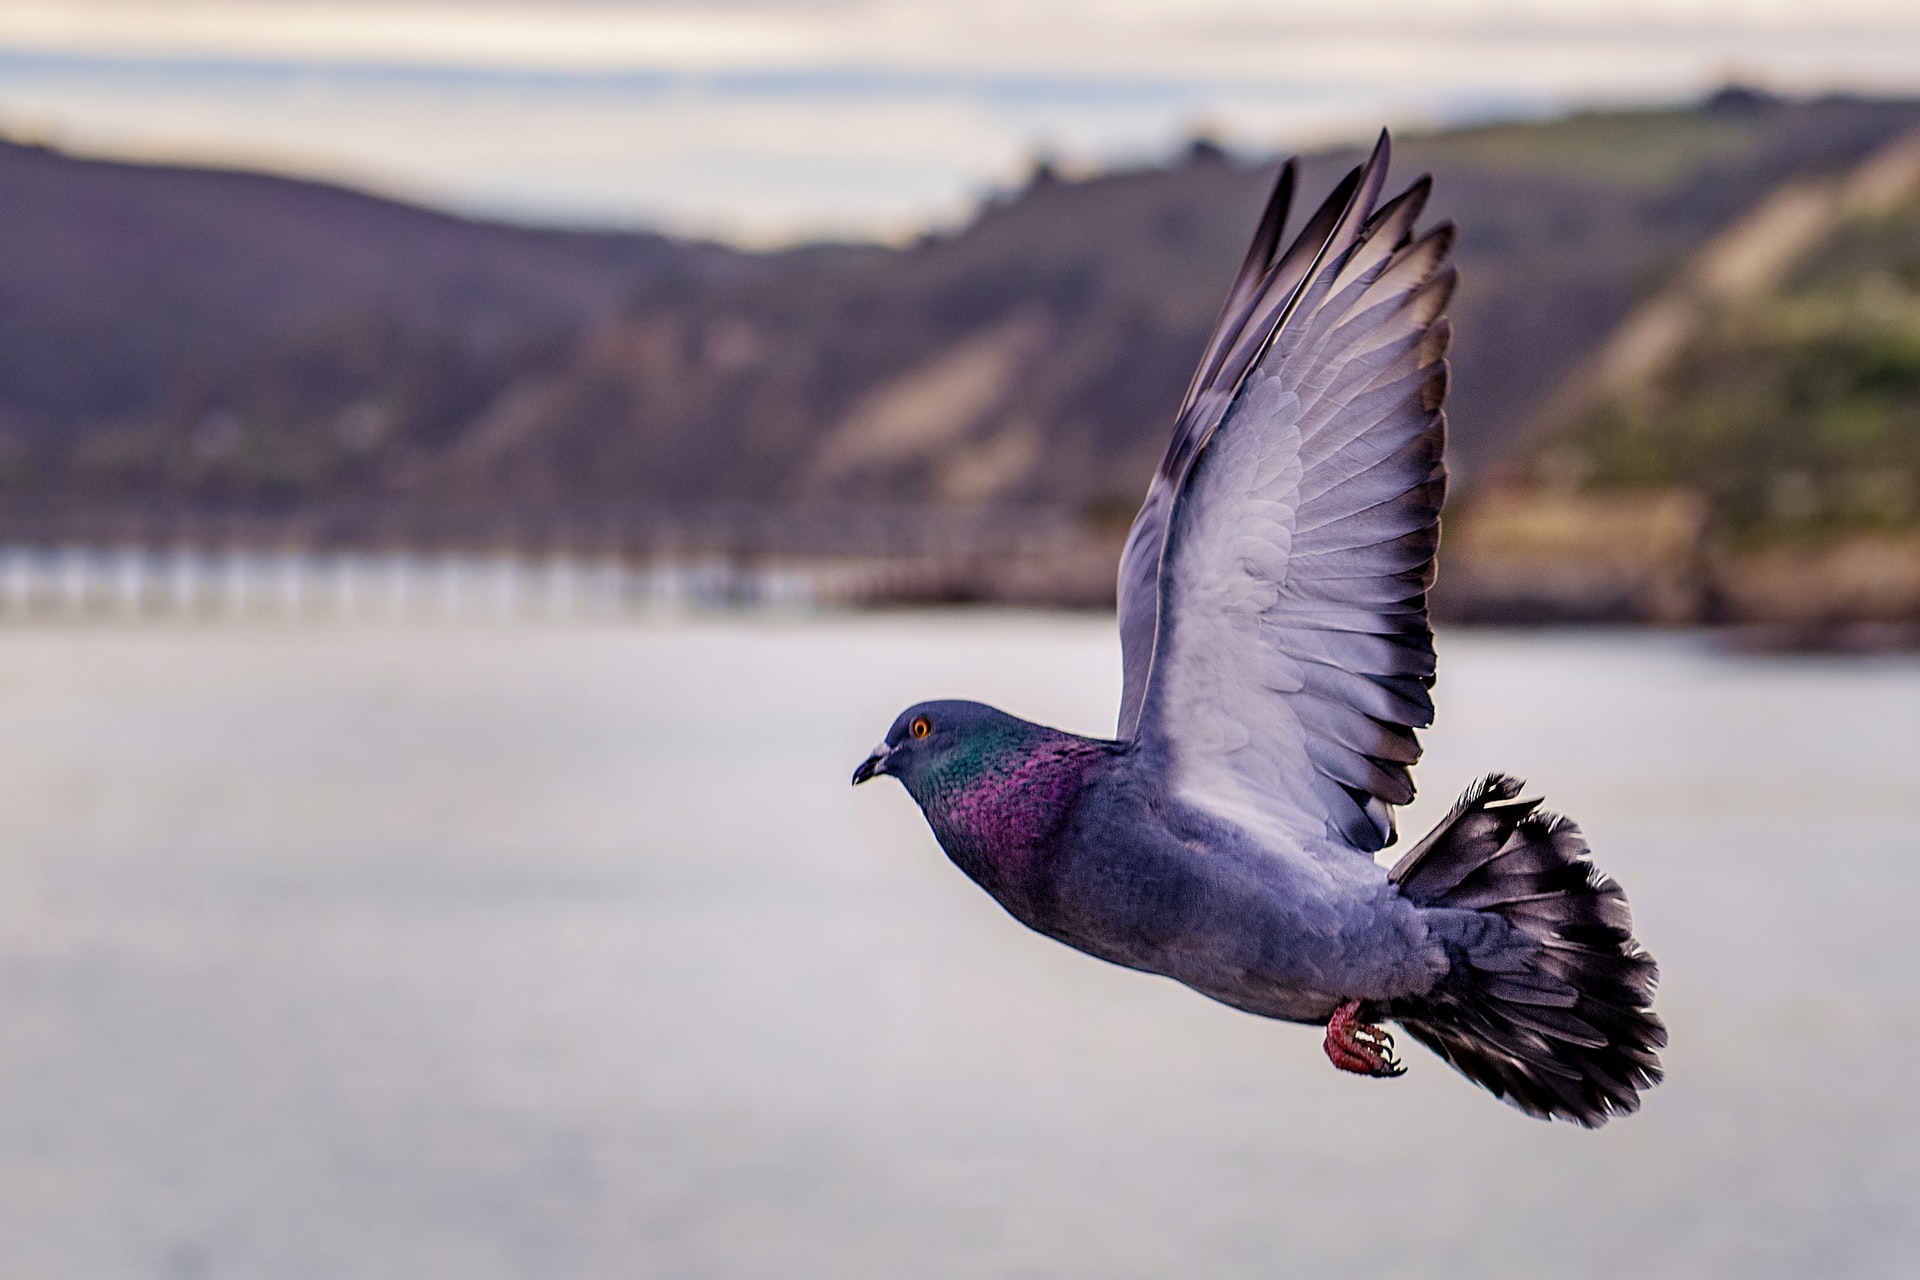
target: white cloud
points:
(1132, 37)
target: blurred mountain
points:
(1753, 430)
(1792, 408)
(186, 339)
(199, 333)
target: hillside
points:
(116, 277)
(177, 340)
(1796, 416)
(1036, 357)
(1775, 439)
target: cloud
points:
(1234, 38)
(762, 120)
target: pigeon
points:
(1278, 661)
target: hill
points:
(184, 341)
(1774, 437)
(116, 278)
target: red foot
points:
(1359, 1047)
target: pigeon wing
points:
(1261, 288)
(1283, 659)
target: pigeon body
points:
(1078, 839)
(1278, 658)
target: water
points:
(568, 952)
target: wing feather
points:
(1283, 659)
(1256, 305)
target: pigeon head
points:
(937, 738)
(993, 787)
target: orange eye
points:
(920, 727)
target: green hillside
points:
(1797, 413)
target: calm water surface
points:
(525, 952)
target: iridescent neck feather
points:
(996, 798)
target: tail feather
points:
(1553, 1011)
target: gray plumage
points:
(1277, 662)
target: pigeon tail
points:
(1548, 1000)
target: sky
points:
(762, 121)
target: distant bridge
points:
(370, 562)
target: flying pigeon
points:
(1277, 662)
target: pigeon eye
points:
(920, 727)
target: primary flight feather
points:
(1277, 662)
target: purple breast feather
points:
(1015, 802)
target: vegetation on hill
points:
(1795, 414)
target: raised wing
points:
(1261, 289)
(1283, 659)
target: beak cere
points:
(873, 766)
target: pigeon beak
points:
(873, 766)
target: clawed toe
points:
(1360, 1047)
(1376, 1037)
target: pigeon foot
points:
(1360, 1047)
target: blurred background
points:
(476, 476)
